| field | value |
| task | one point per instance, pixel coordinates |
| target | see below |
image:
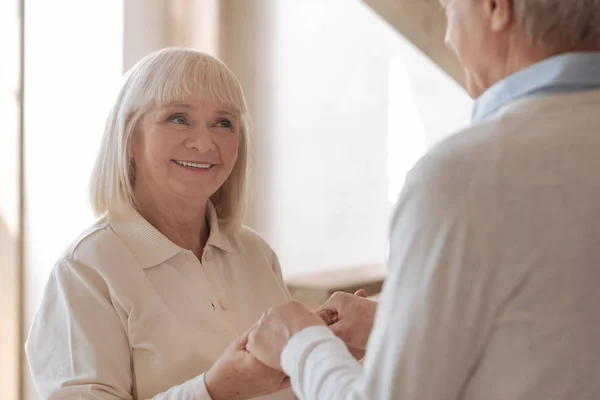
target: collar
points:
(149, 245)
(217, 238)
(564, 73)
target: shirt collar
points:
(149, 245)
(217, 237)
(563, 73)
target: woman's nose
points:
(201, 140)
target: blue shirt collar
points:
(564, 73)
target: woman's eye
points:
(178, 120)
(224, 123)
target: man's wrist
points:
(295, 349)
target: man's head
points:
(495, 38)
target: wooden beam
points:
(423, 23)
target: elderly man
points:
(494, 262)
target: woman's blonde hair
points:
(160, 78)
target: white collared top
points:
(127, 314)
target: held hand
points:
(238, 375)
(351, 318)
(275, 328)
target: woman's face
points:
(185, 151)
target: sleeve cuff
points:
(300, 345)
(199, 388)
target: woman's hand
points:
(237, 375)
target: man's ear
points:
(500, 13)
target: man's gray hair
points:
(556, 22)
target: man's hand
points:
(238, 375)
(275, 328)
(351, 318)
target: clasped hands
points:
(349, 316)
(251, 366)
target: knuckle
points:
(270, 311)
(337, 299)
(340, 296)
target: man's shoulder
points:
(457, 159)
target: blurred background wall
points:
(342, 104)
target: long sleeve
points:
(78, 347)
(432, 320)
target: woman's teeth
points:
(193, 165)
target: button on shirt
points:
(127, 314)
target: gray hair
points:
(555, 22)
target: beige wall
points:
(150, 25)
(319, 88)
(195, 23)
(246, 43)
(316, 74)
(10, 207)
(145, 29)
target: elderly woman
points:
(154, 299)
(494, 258)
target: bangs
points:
(174, 75)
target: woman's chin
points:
(188, 193)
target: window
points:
(74, 59)
(10, 187)
(424, 106)
(350, 106)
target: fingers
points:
(242, 341)
(358, 354)
(334, 303)
(275, 329)
(286, 383)
(333, 306)
(340, 330)
(259, 347)
(328, 316)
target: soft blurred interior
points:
(345, 96)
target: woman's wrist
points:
(212, 385)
